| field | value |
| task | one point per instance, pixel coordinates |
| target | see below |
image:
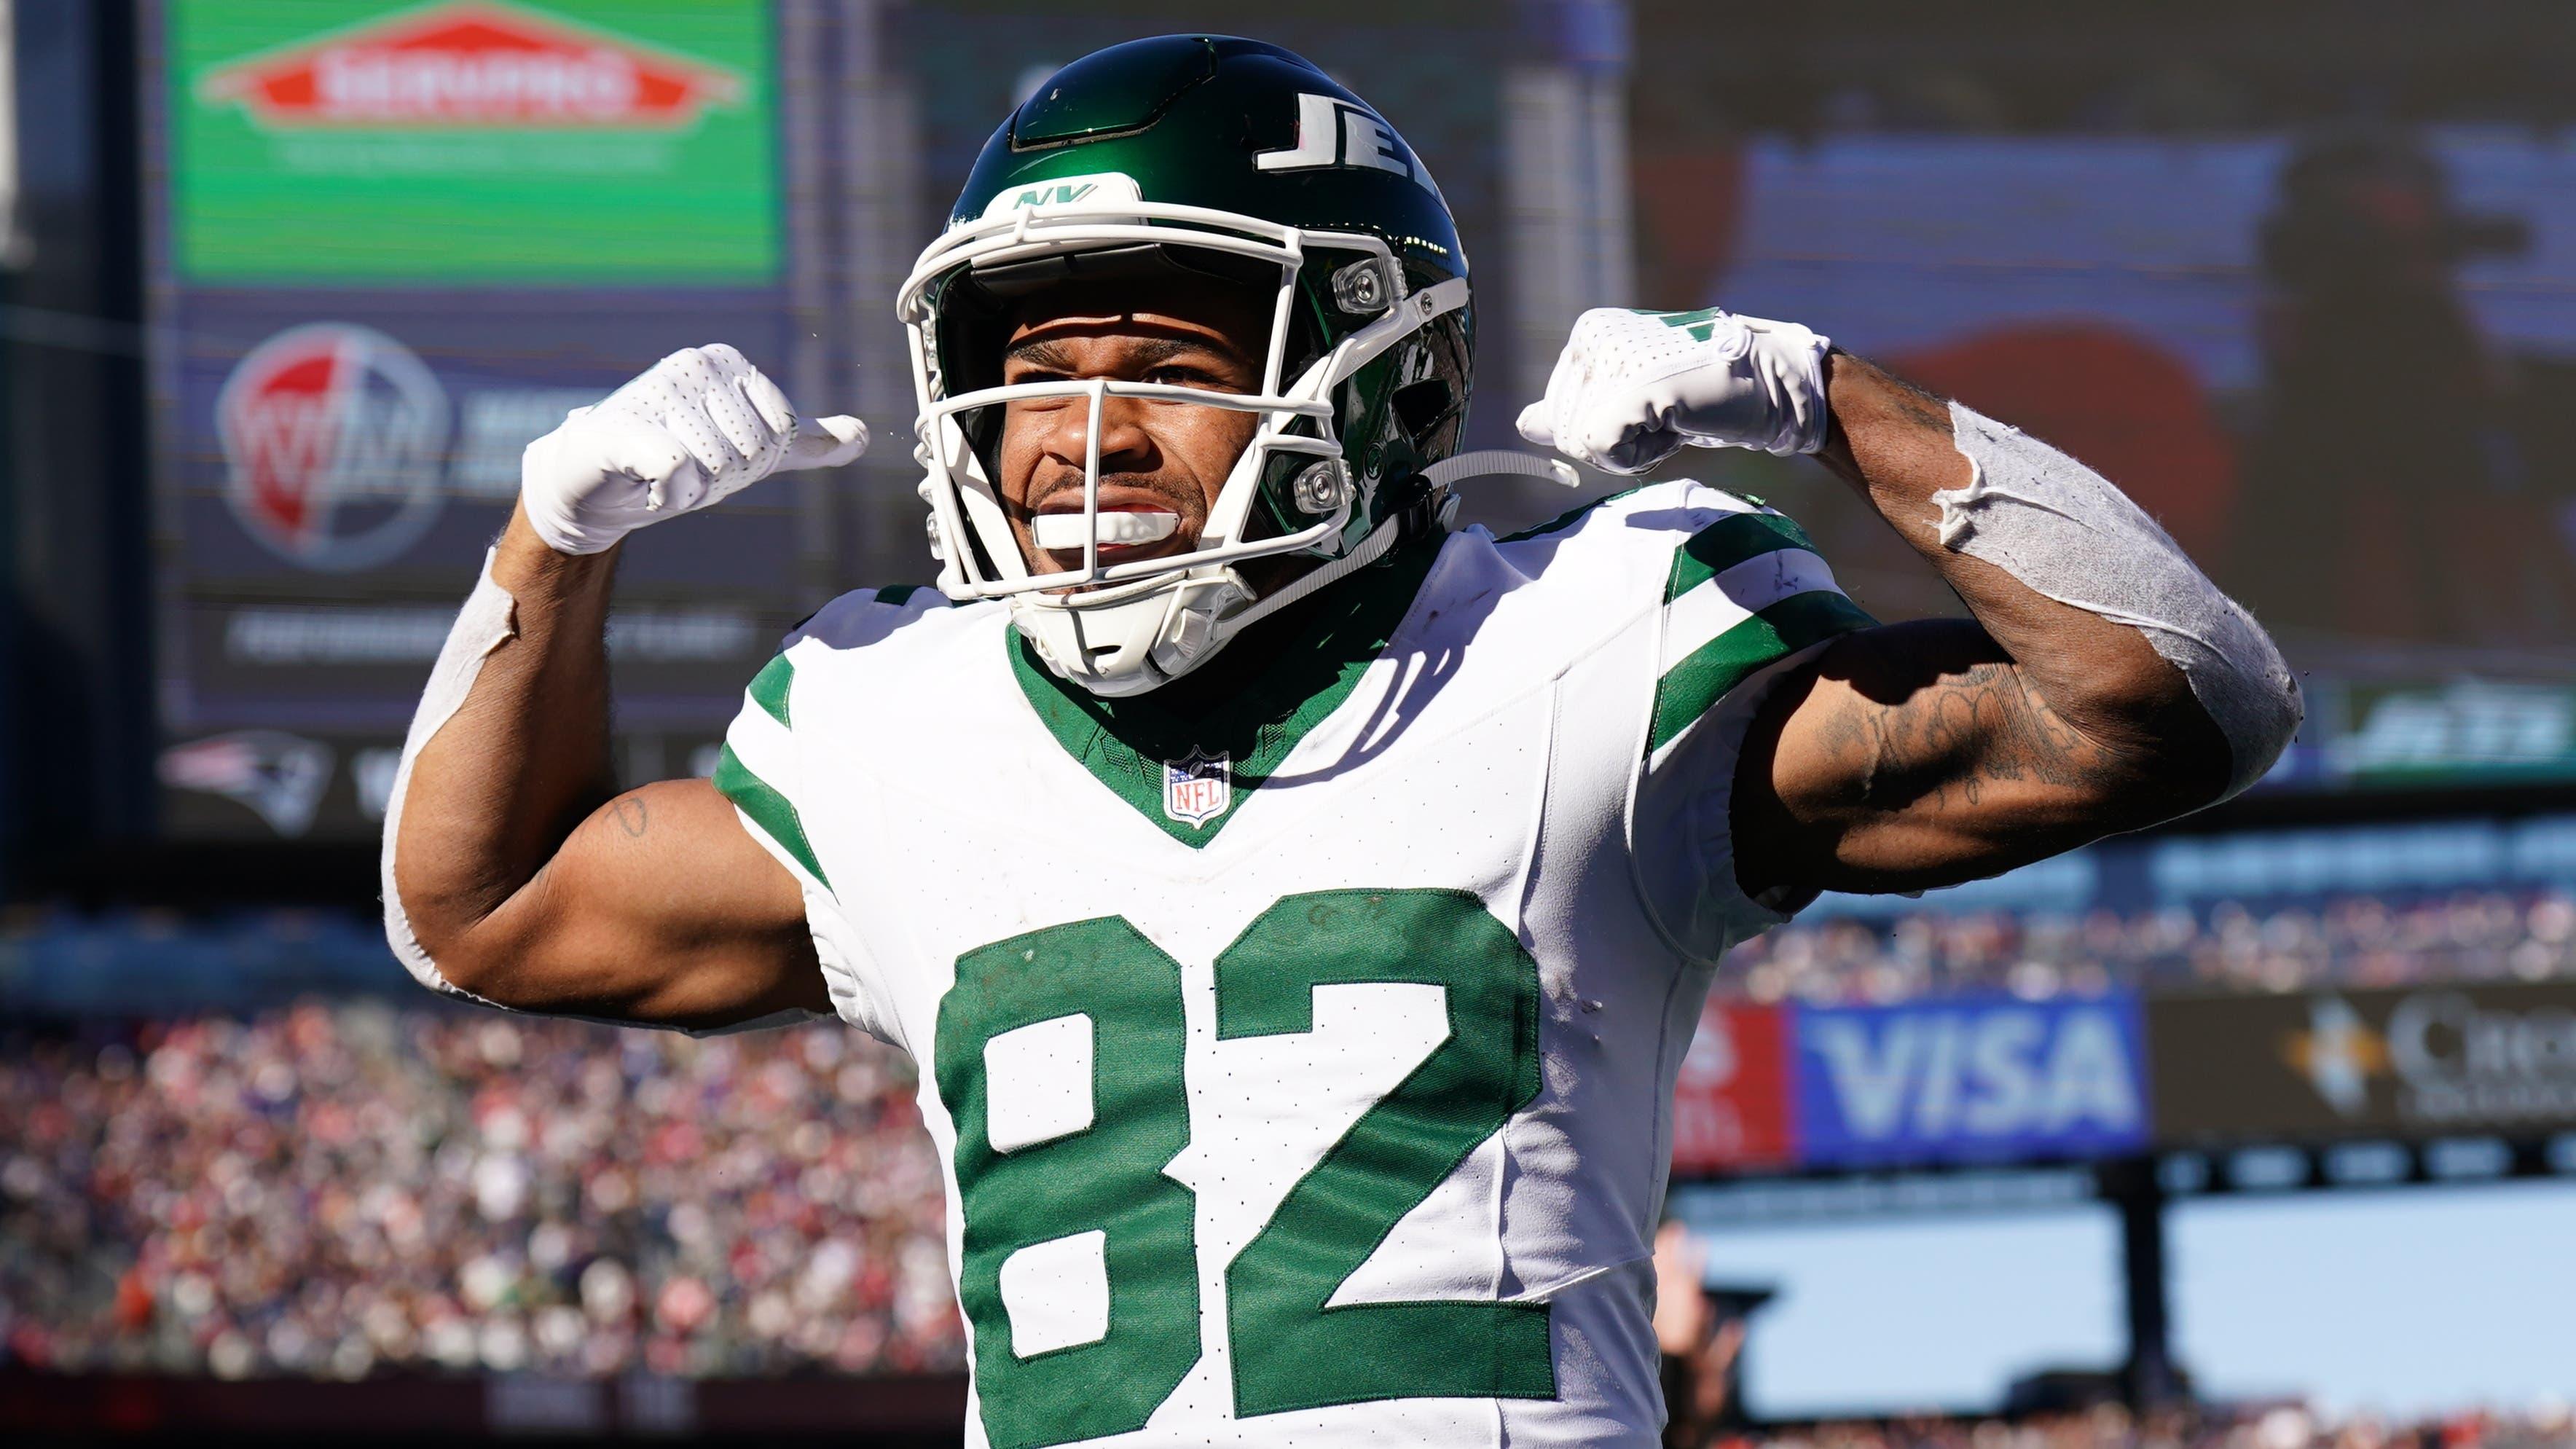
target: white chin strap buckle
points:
(1064, 532)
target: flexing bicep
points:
(1918, 755)
(657, 909)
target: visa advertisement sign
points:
(1975, 1078)
(1968, 1079)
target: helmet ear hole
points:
(1421, 408)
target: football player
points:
(1298, 909)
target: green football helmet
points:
(1214, 157)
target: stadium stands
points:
(61, 963)
(2350, 941)
(326, 1188)
(331, 1190)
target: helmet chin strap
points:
(1496, 462)
(1177, 651)
(1371, 549)
(1483, 463)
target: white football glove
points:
(696, 427)
(1632, 387)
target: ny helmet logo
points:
(1335, 132)
(1056, 194)
(1095, 188)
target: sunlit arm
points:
(531, 884)
(1929, 753)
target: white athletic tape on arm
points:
(488, 620)
(485, 623)
(2063, 530)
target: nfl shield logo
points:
(1198, 789)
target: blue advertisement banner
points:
(1968, 1079)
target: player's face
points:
(1154, 456)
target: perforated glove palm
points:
(695, 428)
(1633, 387)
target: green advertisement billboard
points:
(472, 142)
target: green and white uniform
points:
(1318, 1094)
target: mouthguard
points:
(1062, 532)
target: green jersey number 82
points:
(1070, 1206)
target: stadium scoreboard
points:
(388, 246)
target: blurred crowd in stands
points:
(397, 1183)
(2358, 941)
(60, 963)
(330, 1190)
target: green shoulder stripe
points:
(768, 809)
(769, 687)
(1728, 542)
(1689, 689)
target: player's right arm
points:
(2101, 683)
(514, 870)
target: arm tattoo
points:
(1980, 725)
(631, 816)
(1921, 406)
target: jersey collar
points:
(1238, 717)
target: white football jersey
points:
(1302, 1071)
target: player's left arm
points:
(1927, 753)
(2101, 684)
